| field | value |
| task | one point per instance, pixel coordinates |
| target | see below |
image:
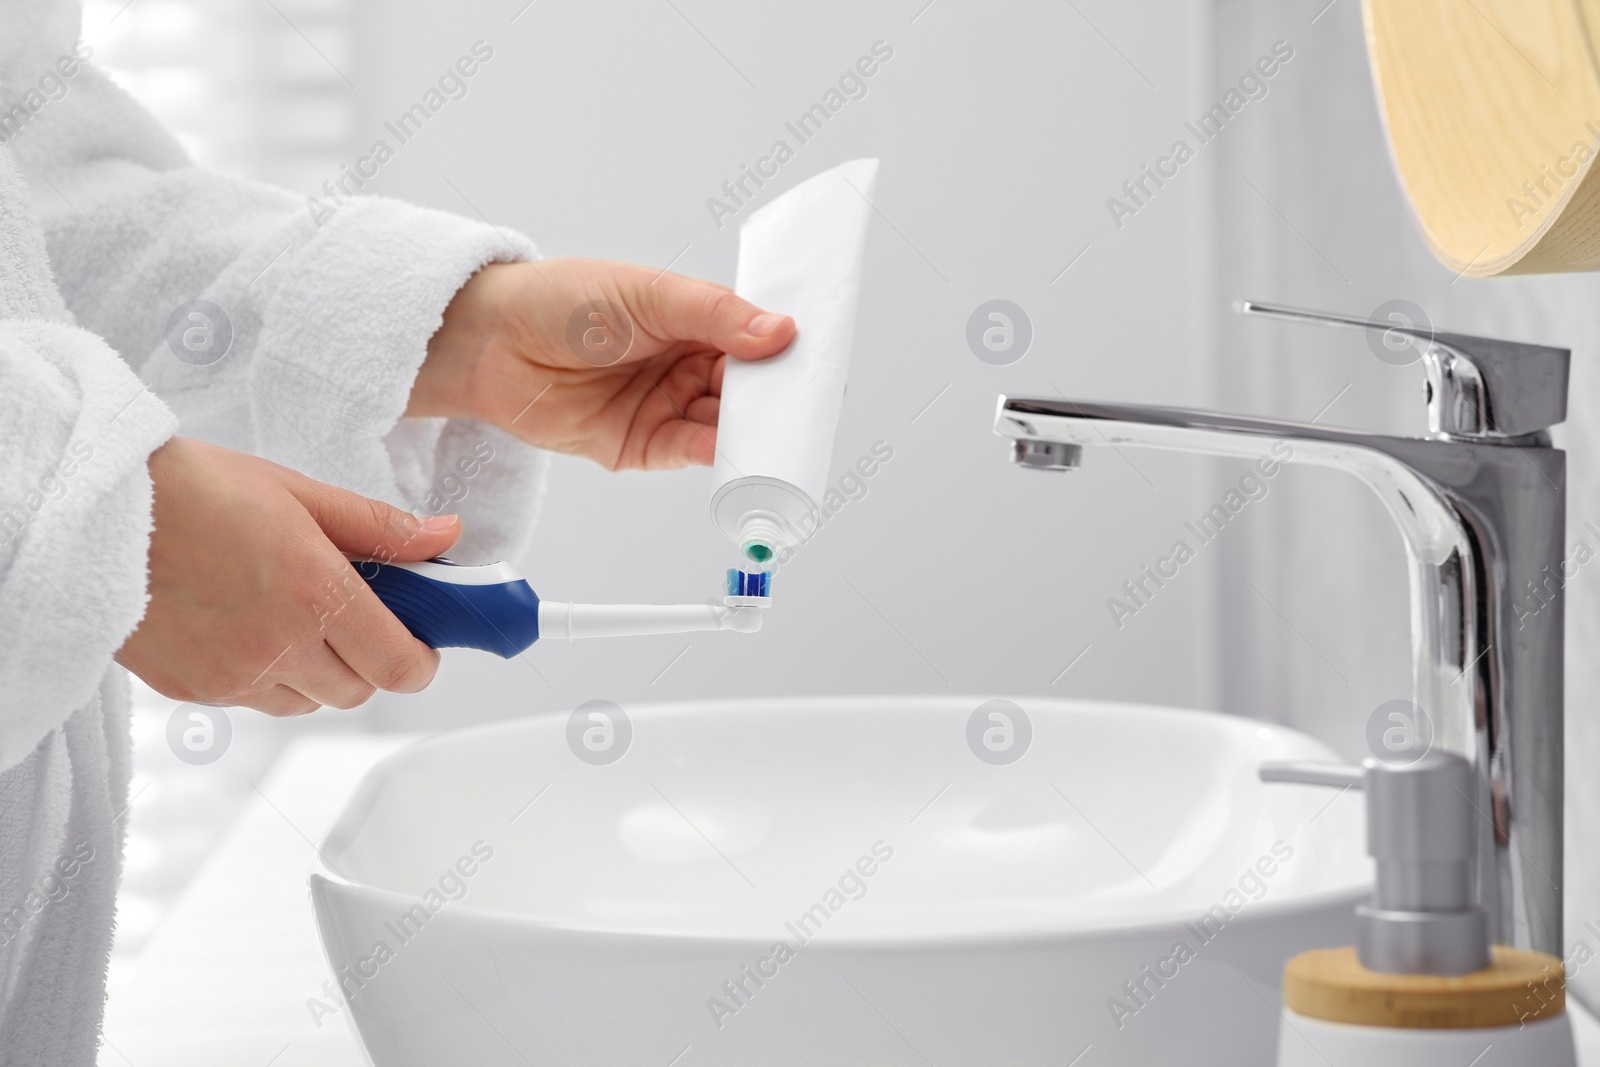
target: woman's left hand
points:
(616, 362)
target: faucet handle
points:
(1477, 387)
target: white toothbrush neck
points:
(567, 621)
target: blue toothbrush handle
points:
(448, 606)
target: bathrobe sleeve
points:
(269, 322)
(76, 429)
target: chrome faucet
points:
(1481, 504)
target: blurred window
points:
(260, 88)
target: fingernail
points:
(762, 324)
(436, 523)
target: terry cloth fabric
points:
(106, 230)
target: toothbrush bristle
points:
(749, 583)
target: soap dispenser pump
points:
(1423, 985)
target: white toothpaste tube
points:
(801, 256)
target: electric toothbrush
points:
(492, 607)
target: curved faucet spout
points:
(1479, 520)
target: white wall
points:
(600, 129)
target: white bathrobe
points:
(105, 228)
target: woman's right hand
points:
(252, 599)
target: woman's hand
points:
(252, 601)
(616, 362)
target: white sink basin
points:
(932, 907)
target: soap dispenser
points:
(1422, 986)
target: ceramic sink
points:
(821, 881)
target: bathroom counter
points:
(236, 974)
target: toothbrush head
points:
(749, 583)
(748, 589)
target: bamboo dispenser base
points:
(1518, 987)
